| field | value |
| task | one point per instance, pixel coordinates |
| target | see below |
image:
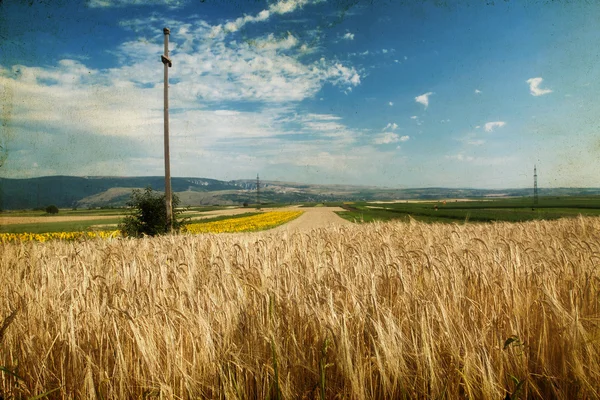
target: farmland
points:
(246, 222)
(382, 310)
(426, 301)
(460, 211)
(453, 211)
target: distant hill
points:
(92, 191)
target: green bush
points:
(52, 209)
(149, 214)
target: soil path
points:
(47, 219)
(313, 218)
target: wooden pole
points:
(168, 196)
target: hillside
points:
(85, 192)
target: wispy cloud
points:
(391, 126)
(387, 138)
(477, 91)
(413, 117)
(534, 87)
(281, 7)
(424, 99)
(267, 68)
(119, 109)
(490, 126)
(348, 36)
(391, 103)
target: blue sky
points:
(389, 93)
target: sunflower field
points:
(252, 223)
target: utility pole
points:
(535, 188)
(168, 196)
(257, 192)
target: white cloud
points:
(490, 126)
(348, 36)
(478, 126)
(391, 103)
(413, 117)
(226, 112)
(477, 91)
(534, 88)
(265, 69)
(391, 125)
(112, 118)
(424, 99)
(287, 6)
(70, 105)
(281, 7)
(387, 138)
(339, 73)
(323, 117)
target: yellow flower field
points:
(244, 224)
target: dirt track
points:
(43, 220)
(315, 217)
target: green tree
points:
(149, 214)
(52, 209)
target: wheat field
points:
(384, 310)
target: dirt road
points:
(315, 217)
(49, 218)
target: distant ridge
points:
(111, 191)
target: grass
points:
(371, 311)
(64, 226)
(510, 210)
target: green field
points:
(511, 210)
(60, 226)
